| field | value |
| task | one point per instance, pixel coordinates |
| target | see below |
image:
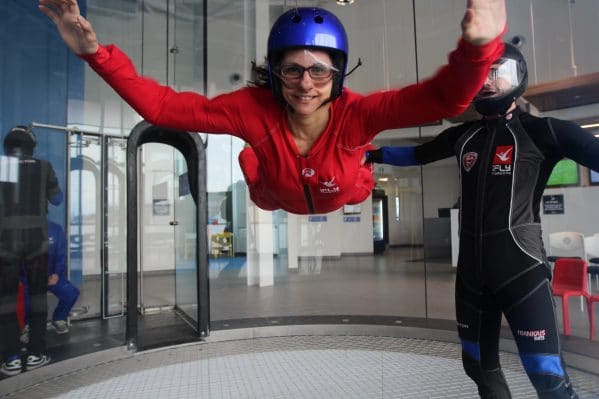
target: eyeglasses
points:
(318, 72)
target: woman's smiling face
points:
(307, 79)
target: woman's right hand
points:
(76, 31)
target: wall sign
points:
(553, 204)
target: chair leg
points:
(591, 320)
(566, 314)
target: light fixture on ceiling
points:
(383, 179)
(344, 2)
(590, 125)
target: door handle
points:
(173, 223)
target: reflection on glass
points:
(85, 224)
(186, 273)
(157, 267)
(116, 227)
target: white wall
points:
(580, 212)
(441, 186)
(333, 237)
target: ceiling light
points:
(590, 125)
(344, 2)
(383, 179)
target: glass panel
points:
(85, 222)
(157, 279)
(186, 46)
(415, 275)
(440, 192)
(186, 273)
(116, 227)
(52, 146)
(321, 264)
(92, 104)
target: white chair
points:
(591, 246)
(567, 244)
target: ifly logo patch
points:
(502, 160)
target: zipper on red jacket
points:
(302, 168)
(309, 198)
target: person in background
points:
(307, 133)
(27, 185)
(505, 160)
(58, 284)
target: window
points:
(565, 173)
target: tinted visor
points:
(504, 77)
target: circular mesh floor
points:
(291, 367)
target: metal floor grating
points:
(289, 367)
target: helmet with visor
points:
(507, 80)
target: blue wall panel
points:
(36, 73)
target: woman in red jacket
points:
(307, 133)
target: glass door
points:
(114, 254)
(186, 273)
(85, 219)
(97, 223)
(156, 223)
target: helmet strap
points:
(359, 64)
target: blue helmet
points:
(308, 27)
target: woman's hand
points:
(483, 21)
(76, 31)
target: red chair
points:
(594, 298)
(570, 279)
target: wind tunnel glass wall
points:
(274, 264)
(329, 264)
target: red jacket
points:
(331, 174)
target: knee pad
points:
(491, 383)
